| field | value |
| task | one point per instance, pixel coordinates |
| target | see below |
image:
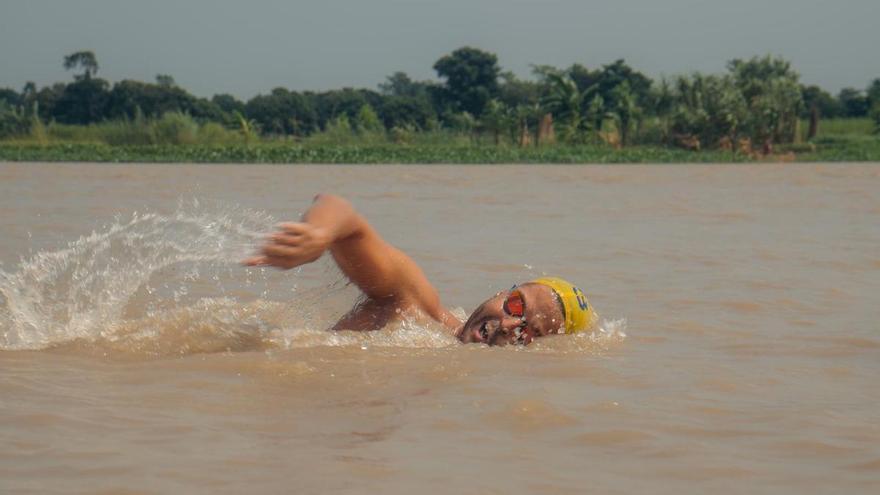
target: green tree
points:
(584, 77)
(330, 105)
(823, 101)
(228, 103)
(773, 95)
(618, 72)
(13, 121)
(82, 102)
(406, 112)
(165, 81)
(625, 110)
(43, 102)
(662, 105)
(873, 93)
(709, 108)
(127, 98)
(471, 79)
(10, 97)
(853, 102)
(84, 60)
(563, 100)
(283, 112)
(496, 119)
(367, 121)
(400, 84)
(513, 91)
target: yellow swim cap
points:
(579, 315)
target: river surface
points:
(738, 349)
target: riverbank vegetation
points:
(475, 113)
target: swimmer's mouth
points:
(481, 334)
(489, 333)
(485, 332)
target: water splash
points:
(133, 267)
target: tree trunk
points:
(546, 135)
(814, 123)
(525, 137)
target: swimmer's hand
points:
(294, 244)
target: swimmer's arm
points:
(384, 273)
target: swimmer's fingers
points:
(286, 239)
(276, 261)
(256, 261)
(293, 256)
(294, 228)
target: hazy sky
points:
(248, 47)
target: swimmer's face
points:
(495, 322)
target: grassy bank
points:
(178, 138)
(387, 153)
(843, 148)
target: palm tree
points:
(494, 119)
(563, 100)
(625, 110)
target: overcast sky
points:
(252, 46)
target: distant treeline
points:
(759, 100)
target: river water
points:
(738, 350)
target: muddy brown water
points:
(738, 352)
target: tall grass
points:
(172, 128)
(840, 127)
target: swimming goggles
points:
(515, 306)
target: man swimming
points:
(392, 282)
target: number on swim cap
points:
(581, 298)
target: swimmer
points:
(392, 282)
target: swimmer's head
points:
(545, 306)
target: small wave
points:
(605, 335)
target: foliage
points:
(165, 80)
(85, 60)
(407, 111)
(875, 112)
(367, 121)
(496, 120)
(625, 110)
(13, 121)
(282, 112)
(772, 95)
(176, 128)
(708, 107)
(471, 79)
(400, 84)
(474, 104)
(873, 92)
(82, 102)
(563, 100)
(821, 100)
(10, 97)
(853, 102)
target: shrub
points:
(175, 128)
(214, 133)
(13, 122)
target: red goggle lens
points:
(514, 305)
